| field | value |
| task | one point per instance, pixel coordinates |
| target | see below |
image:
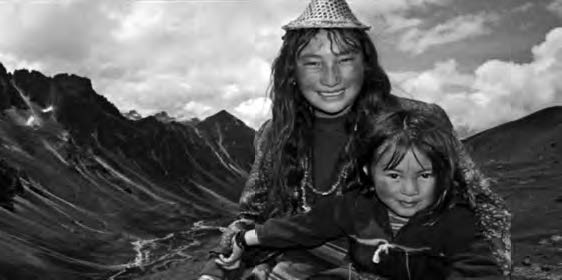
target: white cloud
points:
(254, 111)
(417, 41)
(497, 91)
(197, 110)
(11, 63)
(394, 6)
(523, 8)
(194, 58)
(556, 7)
(151, 55)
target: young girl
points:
(325, 79)
(407, 218)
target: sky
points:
(485, 62)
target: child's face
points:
(409, 186)
(329, 78)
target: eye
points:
(393, 176)
(427, 175)
(311, 63)
(346, 59)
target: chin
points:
(405, 213)
(333, 112)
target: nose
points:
(331, 75)
(409, 187)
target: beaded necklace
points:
(306, 181)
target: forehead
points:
(392, 156)
(327, 43)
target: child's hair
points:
(396, 133)
(292, 116)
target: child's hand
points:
(233, 261)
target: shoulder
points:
(460, 214)
(264, 128)
(261, 133)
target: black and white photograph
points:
(280, 139)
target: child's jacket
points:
(445, 246)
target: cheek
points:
(355, 75)
(305, 79)
(384, 188)
(428, 192)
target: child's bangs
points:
(397, 148)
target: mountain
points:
(88, 193)
(524, 157)
(536, 137)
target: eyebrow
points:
(304, 56)
(424, 169)
(310, 55)
(345, 53)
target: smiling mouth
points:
(406, 204)
(331, 93)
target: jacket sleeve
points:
(494, 220)
(253, 201)
(325, 222)
(469, 254)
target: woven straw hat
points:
(326, 14)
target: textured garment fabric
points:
(494, 220)
(443, 244)
(329, 139)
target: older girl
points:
(408, 218)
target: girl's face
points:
(407, 187)
(329, 78)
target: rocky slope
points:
(86, 192)
(524, 157)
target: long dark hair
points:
(396, 133)
(292, 116)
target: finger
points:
(227, 266)
(235, 265)
(224, 259)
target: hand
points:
(233, 261)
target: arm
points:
(326, 221)
(254, 196)
(253, 201)
(494, 219)
(469, 254)
(323, 223)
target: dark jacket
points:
(451, 246)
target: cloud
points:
(523, 8)
(254, 111)
(11, 62)
(194, 58)
(395, 6)
(197, 110)
(556, 7)
(417, 41)
(189, 58)
(387, 17)
(53, 32)
(496, 92)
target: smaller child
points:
(408, 218)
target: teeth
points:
(332, 93)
